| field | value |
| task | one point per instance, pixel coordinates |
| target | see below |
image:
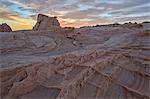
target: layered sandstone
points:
(46, 23)
(5, 28)
(87, 63)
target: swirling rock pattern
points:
(114, 68)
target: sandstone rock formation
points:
(5, 28)
(88, 63)
(46, 23)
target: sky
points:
(21, 14)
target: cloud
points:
(14, 18)
(75, 12)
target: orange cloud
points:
(18, 23)
(20, 27)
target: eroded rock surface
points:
(87, 63)
(46, 23)
(5, 28)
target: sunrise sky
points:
(21, 14)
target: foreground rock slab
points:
(94, 72)
(87, 63)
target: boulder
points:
(46, 23)
(5, 28)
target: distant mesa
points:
(45, 22)
(5, 28)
